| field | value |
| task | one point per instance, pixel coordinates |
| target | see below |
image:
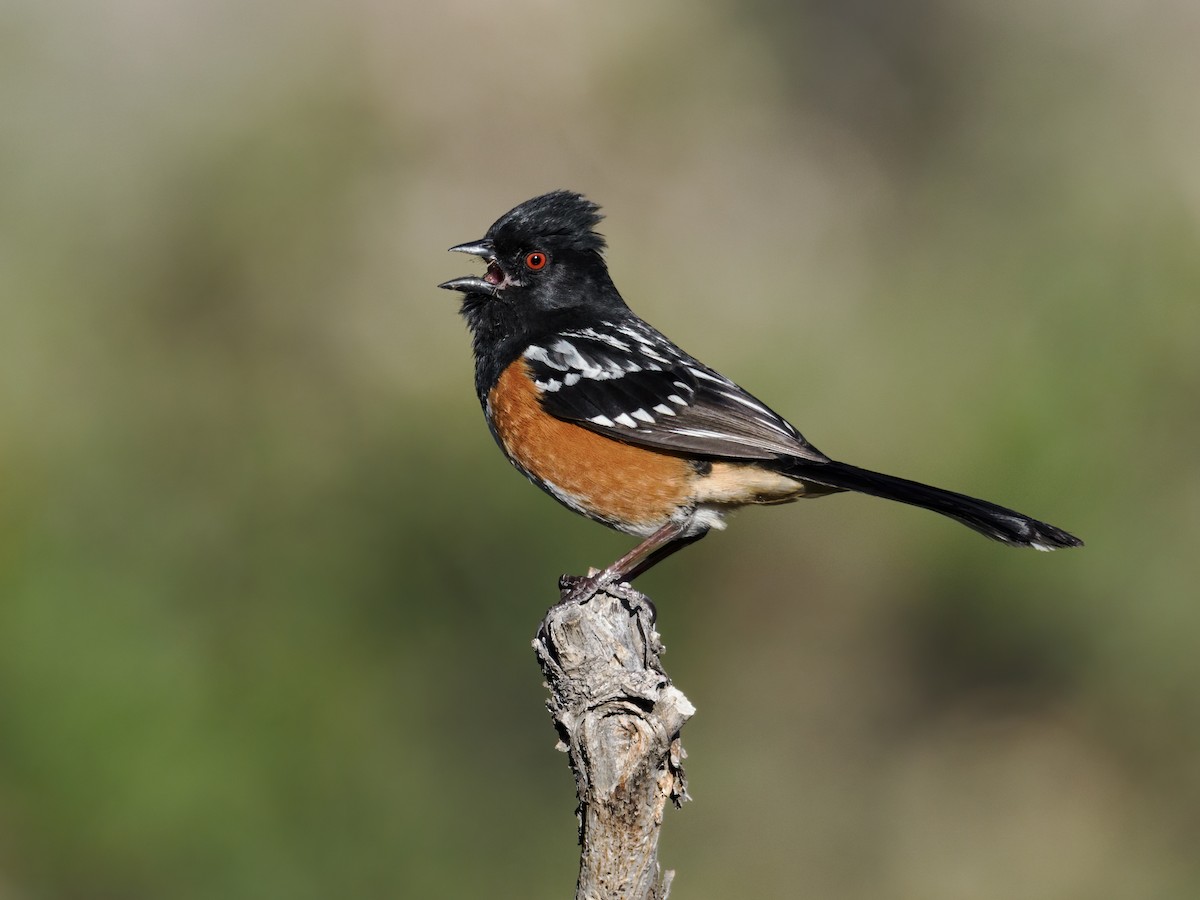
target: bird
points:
(616, 422)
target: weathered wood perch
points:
(618, 718)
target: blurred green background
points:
(267, 588)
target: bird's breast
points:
(630, 488)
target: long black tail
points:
(997, 522)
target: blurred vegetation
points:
(267, 589)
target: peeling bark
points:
(618, 718)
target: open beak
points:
(471, 283)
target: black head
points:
(544, 266)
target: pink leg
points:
(636, 561)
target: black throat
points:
(503, 327)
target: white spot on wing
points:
(741, 398)
(603, 421)
(643, 415)
(630, 332)
(539, 354)
(664, 409)
(574, 360)
(677, 400)
(765, 416)
(571, 356)
(595, 335)
(626, 420)
(700, 373)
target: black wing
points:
(627, 381)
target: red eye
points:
(536, 260)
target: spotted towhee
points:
(613, 420)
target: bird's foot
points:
(582, 588)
